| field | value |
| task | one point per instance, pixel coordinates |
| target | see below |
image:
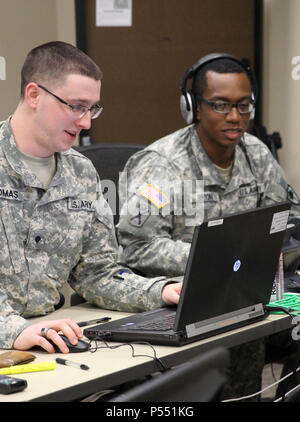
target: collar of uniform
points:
(65, 176)
(62, 180)
(241, 171)
(13, 157)
(64, 183)
(208, 171)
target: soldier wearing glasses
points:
(237, 169)
(238, 173)
(55, 225)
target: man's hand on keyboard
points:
(171, 293)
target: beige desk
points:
(112, 367)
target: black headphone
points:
(188, 103)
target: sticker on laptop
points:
(215, 222)
(237, 265)
(279, 221)
(155, 196)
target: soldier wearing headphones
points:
(236, 169)
(161, 194)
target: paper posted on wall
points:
(114, 13)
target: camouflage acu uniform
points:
(157, 241)
(156, 237)
(63, 234)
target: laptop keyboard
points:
(161, 324)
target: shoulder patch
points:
(155, 196)
(139, 219)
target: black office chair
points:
(109, 160)
(273, 141)
(292, 396)
(200, 379)
(61, 302)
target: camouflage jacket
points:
(157, 222)
(63, 234)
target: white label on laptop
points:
(279, 221)
(215, 222)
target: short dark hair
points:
(224, 65)
(54, 61)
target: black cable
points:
(271, 308)
(288, 311)
(161, 366)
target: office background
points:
(23, 25)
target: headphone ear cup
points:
(187, 107)
(252, 115)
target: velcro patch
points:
(9, 194)
(155, 196)
(81, 204)
(248, 190)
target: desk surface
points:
(110, 367)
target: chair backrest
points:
(200, 379)
(109, 160)
(272, 141)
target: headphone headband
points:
(187, 100)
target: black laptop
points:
(228, 279)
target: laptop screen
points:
(232, 263)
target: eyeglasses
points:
(78, 110)
(225, 107)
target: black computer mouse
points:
(81, 346)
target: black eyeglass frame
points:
(95, 110)
(237, 105)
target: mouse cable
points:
(264, 389)
(270, 308)
(160, 364)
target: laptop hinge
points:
(225, 320)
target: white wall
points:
(25, 24)
(281, 94)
